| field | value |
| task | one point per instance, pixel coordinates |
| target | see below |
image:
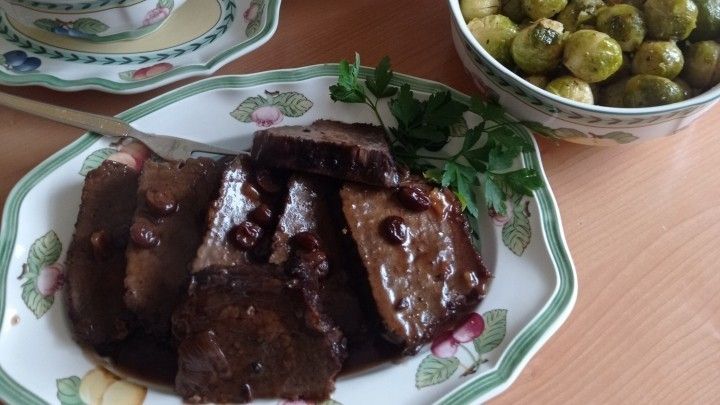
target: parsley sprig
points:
(424, 127)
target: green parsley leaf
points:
(508, 138)
(348, 88)
(523, 181)
(490, 110)
(379, 86)
(442, 111)
(501, 159)
(405, 108)
(428, 133)
(472, 136)
(494, 196)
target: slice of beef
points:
(167, 228)
(246, 194)
(353, 152)
(307, 223)
(146, 357)
(254, 332)
(305, 210)
(415, 247)
(95, 265)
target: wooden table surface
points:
(642, 221)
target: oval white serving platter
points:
(532, 294)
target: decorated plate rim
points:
(176, 74)
(520, 350)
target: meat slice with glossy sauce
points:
(307, 228)
(241, 219)
(414, 245)
(167, 228)
(353, 152)
(95, 265)
(255, 332)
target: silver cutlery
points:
(165, 146)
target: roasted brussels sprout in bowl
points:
(596, 72)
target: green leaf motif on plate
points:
(243, 112)
(433, 370)
(165, 4)
(95, 160)
(43, 252)
(329, 402)
(540, 129)
(89, 26)
(494, 333)
(46, 24)
(516, 233)
(619, 137)
(256, 7)
(68, 391)
(127, 75)
(292, 104)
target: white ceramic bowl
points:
(557, 117)
(92, 20)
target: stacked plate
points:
(196, 39)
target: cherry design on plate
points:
(446, 345)
(266, 110)
(146, 72)
(50, 279)
(452, 349)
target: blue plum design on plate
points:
(18, 61)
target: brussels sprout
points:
(708, 20)
(478, 8)
(537, 80)
(579, 13)
(623, 23)
(591, 55)
(638, 4)
(670, 19)
(537, 9)
(686, 89)
(513, 9)
(495, 33)
(538, 48)
(649, 91)
(624, 71)
(571, 88)
(613, 94)
(659, 58)
(702, 64)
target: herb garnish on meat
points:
(425, 126)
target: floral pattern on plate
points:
(269, 110)
(146, 72)
(42, 274)
(219, 32)
(253, 17)
(19, 62)
(99, 386)
(485, 331)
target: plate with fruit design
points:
(515, 222)
(195, 40)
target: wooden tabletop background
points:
(642, 221)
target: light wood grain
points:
(642, 221)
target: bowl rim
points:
(88, 5)
(457, 18)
